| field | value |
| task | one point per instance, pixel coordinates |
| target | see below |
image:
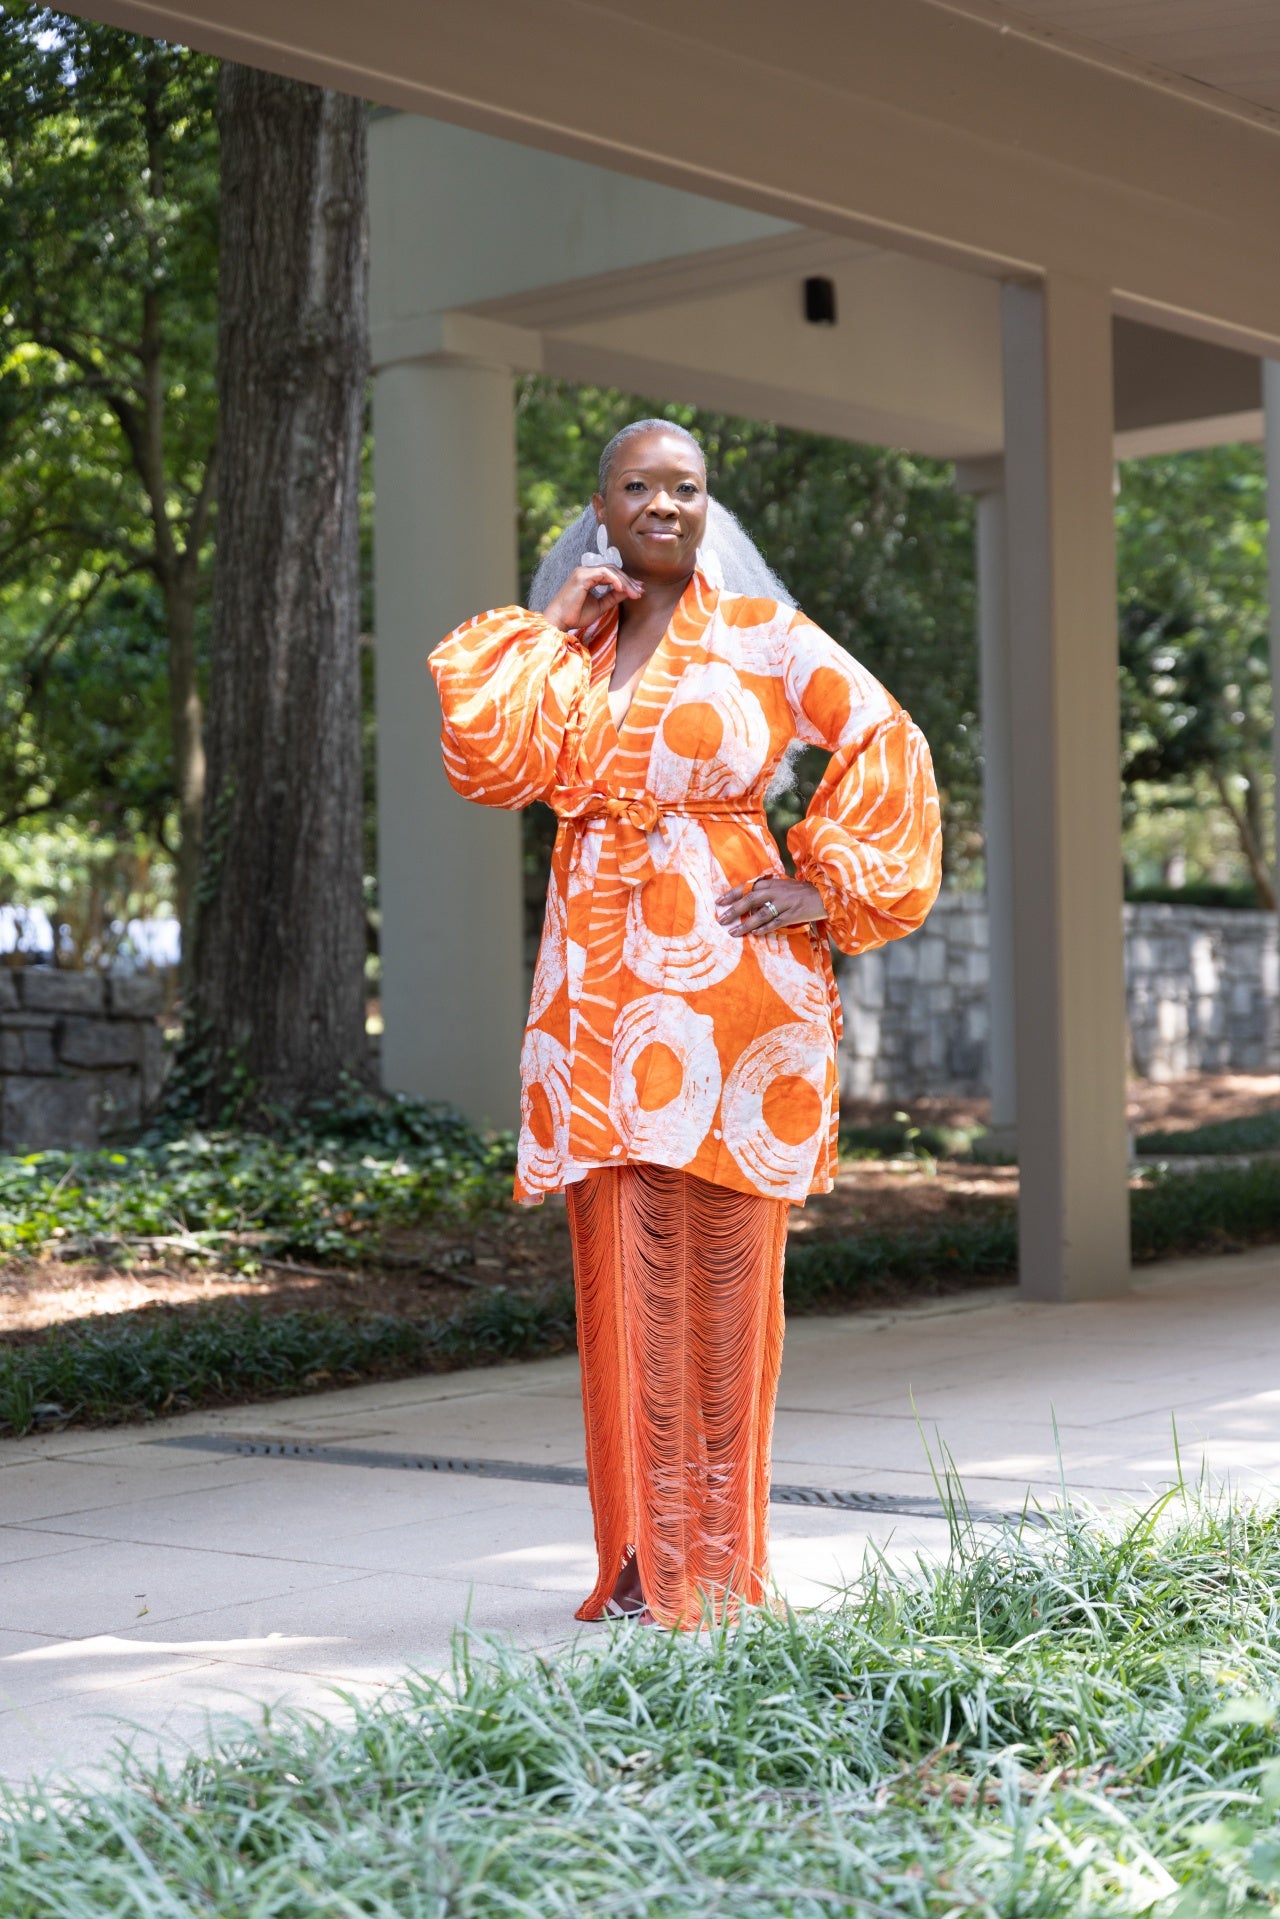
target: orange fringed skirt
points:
(679, 1287)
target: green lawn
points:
(1063, 1721)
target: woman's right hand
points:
(575, 606)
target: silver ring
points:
(773, 911)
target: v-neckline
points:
(619, 727)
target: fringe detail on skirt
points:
(679, 1287)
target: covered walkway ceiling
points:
(483, 249)
(965, 134)
(1229, 46)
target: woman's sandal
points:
(614, 1609)
(628, 1607)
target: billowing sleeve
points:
(512, 691)
(871, 840)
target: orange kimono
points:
(667, 1067)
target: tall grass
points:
(1068, 1721)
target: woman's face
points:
(655, 505)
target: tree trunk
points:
(278, 1012)
(1248, 827)
(186, 731)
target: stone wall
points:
(1203, 996)
(915, 1012)
(1204, 991)
(82, 1057)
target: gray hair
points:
(630, 431)
(742, 564)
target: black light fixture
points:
(820, 300)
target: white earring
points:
(707, 561)
(605, 555)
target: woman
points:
(679, 1066)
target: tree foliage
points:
(108, 302)
(1195, 674)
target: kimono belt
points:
(630, 817)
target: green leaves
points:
(108, 316)
(170, 1365)
(1028, 1730)
(1195, 674)
(326, 1187)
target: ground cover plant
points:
(901, 1136)
(170, 1364)
(1064, 1719)
(346, 1177)
(1253, 1133)
(325, 1185)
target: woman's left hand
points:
(769, 903)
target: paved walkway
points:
(154, 1584)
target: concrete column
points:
(985, 480)
(1064, 722)
(450, 882)
(1271, 433)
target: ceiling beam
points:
(908, 125)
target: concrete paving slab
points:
(60, 1489)
(371, 1630)
(273, 1510)
(66, 1668)
(18, 1544)
(158, 1718)
(109, 1584)
(815, 1556)
(272, 1579)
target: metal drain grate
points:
(247, 1446)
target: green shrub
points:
(323, 1187)
(168, 1363)
(1198, 893)
(1172, 1214)
(841, 1269)
(899, 1138)
(1259, 1133)
(1075, 1719)
(162, 1363)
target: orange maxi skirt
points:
(679, 1287)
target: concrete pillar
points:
(1065, 762)
(985, 480)
(453, 997)
(1271, 434)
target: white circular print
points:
(825, 684)
(666, 1078)
(777, 1079)
(713, 738)
(757, 648)
(544, 1108)
(673, 937)
(802, 990)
